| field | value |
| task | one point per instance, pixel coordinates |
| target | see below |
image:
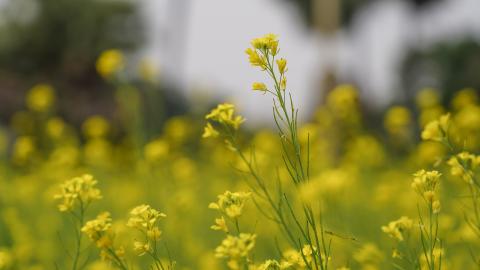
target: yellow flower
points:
(462, 165)
(425, 181)
(437, 129)
(283, 84)
(236, 247)
(144, 217)
(209, 131)
(396, 228)
(282, 65)
(110, 62)
(220, 225)
(141, 248)
(40, 98)
(230, 203)
(259, 86)
(79, 190)
(95, 229)
(255, 59)
(224, 114)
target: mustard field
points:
(208, 193)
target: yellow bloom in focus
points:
(40, 98)
(95, 229)
(210, 132)
(437, 129)
(282, 65)
(395, 229)
(259, 86)
(231, 203)
(255, 59)
(425, 181)
(220, 225)
(109, 63)
(283, 84)
(95, 127)
(144, 218)
(224, 114)
(78, 191)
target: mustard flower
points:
(210, 132)
(79, 190)
(145, 219)
(282, 65)
(220, 225)
(259, 86)
(96, 230)
(395, 229)
(236, 247)
(437, 129)
(463, 164)
(224, 114)
(231, 203)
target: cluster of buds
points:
(425, 184)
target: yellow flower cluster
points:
(96, 230)
(437, 129)
(230, 203)
(463, 165)
(425, 184)
(262, 54)
(145, 219)
(79, 190)
(234, 248)
(223, 114)
(261, 47)
(396, 228)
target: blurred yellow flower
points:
(437, 129)
(397, 228)
(40, 98)
(95, 126)
(78, 191)
(110, 62)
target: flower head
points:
(78, 191)
(396, 228)
(231, 203)
(437, 129)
